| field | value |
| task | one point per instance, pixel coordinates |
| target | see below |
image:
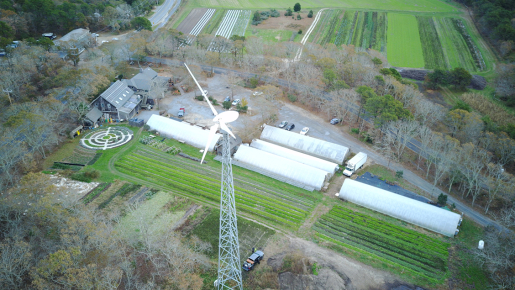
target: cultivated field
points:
(260, 197)
(403, 44)
(392, 5)
(415, 252)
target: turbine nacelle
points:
(220, 119)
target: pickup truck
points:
(252, 260)
(181, 113)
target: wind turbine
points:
(229, 269)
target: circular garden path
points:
(103, 139)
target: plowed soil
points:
(191, 20)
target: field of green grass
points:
(404, 47)
(392, 5)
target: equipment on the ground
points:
(355, 163)
(229, 271)
(253, 260)
(181, 113)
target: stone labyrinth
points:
(103, 139)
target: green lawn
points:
(392, 5)
(403, 46)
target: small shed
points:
(93, 116)
(305, 144)
(409, 210)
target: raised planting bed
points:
(90, 196)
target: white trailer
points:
(355, 163)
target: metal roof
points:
(143, 80)
(409, 210)
(94, 114)
(190, 134)
(321, 164)
(117, 94)
(292, 170)
(309, 145)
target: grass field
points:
(269, 35)
(404, 47)
(392, 5)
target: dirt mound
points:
(325, 280)
(477, 83)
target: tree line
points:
(24, 19)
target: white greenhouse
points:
(281, 166)
(324, 165)
(309, 145)
(409, 210)
(190, 134)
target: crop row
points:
(344, 28)
(395, 231)
(383, 251)
(209, 193)
(381, 257)
(215, 21)
(90, 196)
(288, 195)
(431, 46)
(319, 28)
(329, 29)
(241, 23)
(167, 175)
(214, 182)
(386, 243)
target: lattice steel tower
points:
(229, 267)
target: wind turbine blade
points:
(226, 129)
(202, 91)
(212, 133)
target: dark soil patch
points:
(191, 20)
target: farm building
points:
(78, 38)
(182, 131)
(117, 102)
(93, 116)
(315, 162)
(409, 210)
(281, 166)
(141, 82)
(305, 144)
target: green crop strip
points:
(453, 44)
(358, 29)
(431, 46)
(276, 208)
(421, 254)
(95, 192)
(404, 47)
(215, 21)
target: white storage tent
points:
(281, 166)
(309, 145)
(409, 210)
(324, 165)
(190, 134)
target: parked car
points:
(227, 99)
(290, 127)
(335, 121)
(283, 124)
(236, 102)
(304, 131)
(181, 112)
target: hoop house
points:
(190, 134)
(409, 210)
(305, 144)
(315, 162)
(289, 169)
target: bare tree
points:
(233, 80)
(404, 131)
(497, 181)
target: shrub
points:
(146, 127)
(292, 98)
(226, 105)
(462, 105)
(310, 14)
(61, 166)
(399, 174)
(296, 7)
(488, 107)
(199, 98)
(355, 130)
(79, 176)
(377, 61)
(298, 17)
(274, 13)
(442, 199)
(92, 174)
(253, 82)
(289, 12)
(300, 31)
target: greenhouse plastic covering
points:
(309, 145)
(409, 210)
(190, 134)
(281, 166)
(324, 165)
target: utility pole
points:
(9, 95)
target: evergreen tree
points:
(296, 7)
